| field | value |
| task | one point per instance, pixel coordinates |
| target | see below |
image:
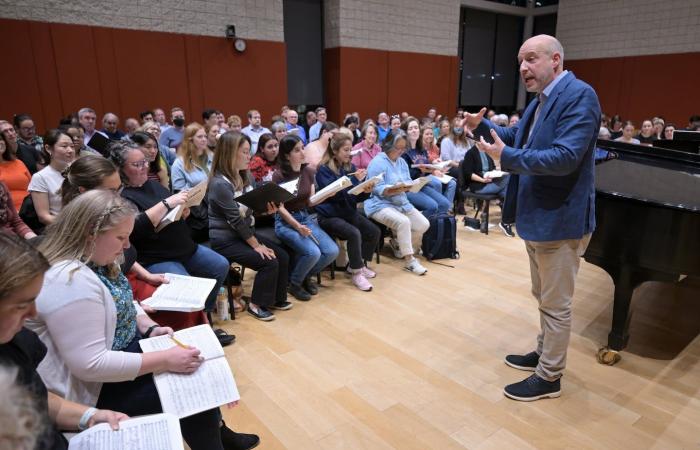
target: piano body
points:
(648, 225)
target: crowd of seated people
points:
(98, 213)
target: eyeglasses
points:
(139, 164)
(27, 128)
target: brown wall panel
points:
(20, 90)
(370, 81)
(640, 87)
(58, 68)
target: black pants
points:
(360, 233)
(270, 285)
(140, 397)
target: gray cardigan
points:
(225, 213)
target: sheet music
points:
(434, 166)
(212, 385)
(154, 432)
(444, 179)
(182, 293)
(333, 188)
(291, 186)
(357, 190)
(416, 185)
(196, 194)
(201, 337)
(494, 174)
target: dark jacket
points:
(472, 164)
(225, 219)
(342, 204)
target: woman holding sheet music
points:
(430, 200)
(389, 204)
(170, 249)
(338, 215)
(96, 360)
(232, 231)
(367, 148)
(22, 270)
(295, 225)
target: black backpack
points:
(440, 241)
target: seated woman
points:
(628, 134)
(212, 132)
(157, 168)
(430, 200)
(232, 231)
(264, 161)
(278, 129)
(170, 250)
(13, 173)
(389, 204)
(474, 166)
(99, 362)
(646, 135)
(10, 222)
(296, 226)
(167, 154)
(367, 147)
(338, 216)
(22, 270)
(46, 183)
(352, 123)
(95, 172)
(315, 150)
(191, 168)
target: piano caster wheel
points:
(608, 357)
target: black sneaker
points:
(261, 314)
(223, 337)
(310, 286)
(231, 440)
(507, 229)
(533, 388)
(284, 306)
(299, 293)
(523, 362)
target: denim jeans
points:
(498, 186)
(429, 201)
(309, 257)
(205, 263)
(449, 190)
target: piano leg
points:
(626, 281)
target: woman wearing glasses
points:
(170, 249)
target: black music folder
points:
(258, 198)
(98, 142)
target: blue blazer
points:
(552, 195)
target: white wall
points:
(421, 26)
(608, 28)
(254, 19)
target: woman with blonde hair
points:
(100, 362)
(192, 167)
(31, 416)
(339, 217)
(232, 231)
(193, 159)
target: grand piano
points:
(648, 225)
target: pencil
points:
(179, 344)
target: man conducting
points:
(551, 195)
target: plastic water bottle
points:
(222, 313)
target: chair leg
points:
(485, 218)
(333, 267)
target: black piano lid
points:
(652, 175)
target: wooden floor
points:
(418, 362)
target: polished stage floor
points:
(418, 362)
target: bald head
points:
(541, 60)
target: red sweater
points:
(10, 222)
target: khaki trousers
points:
(553, 269)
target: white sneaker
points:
(395, 248)
(415, 267)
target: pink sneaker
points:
(359, 280)
(368, 273)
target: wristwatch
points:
(150, 330)
(165, 203)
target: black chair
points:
(482, 203)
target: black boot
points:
(237, 441)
